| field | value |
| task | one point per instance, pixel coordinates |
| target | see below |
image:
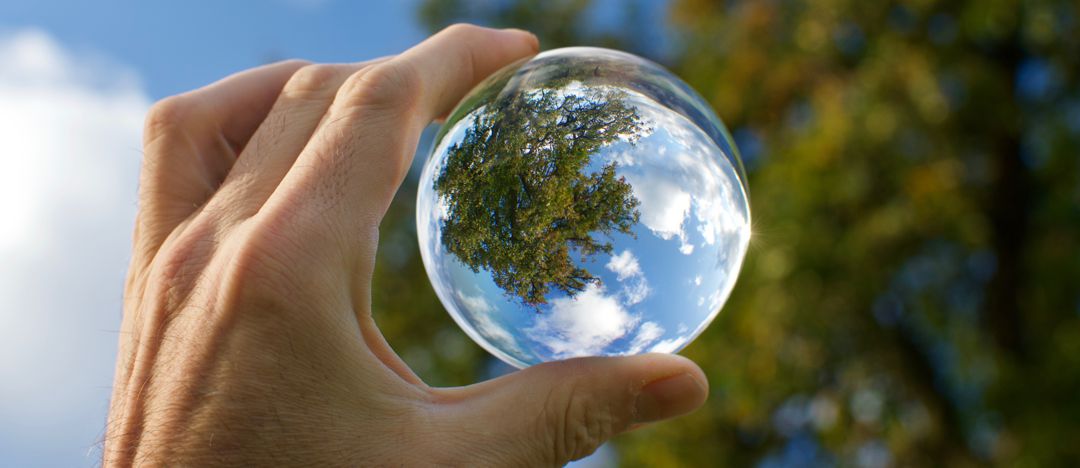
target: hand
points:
(247, 335)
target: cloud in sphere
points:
(70, 131)
(627, 271)
(624, 265)
(583, 324)
(681, 178)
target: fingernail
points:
(669, 397)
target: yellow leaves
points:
(929, 181)
(923, 88)
(811, 35)
(990, 20)
(1039, 25)
(761, 368)
(740, 72)
(888, 222)
(775, 264)
(803, 353)
(881, 123)
(689, 13)
(834, 119)
(758, 17)
(1066, 340)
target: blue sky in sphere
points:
(76, 79)
(659, 285)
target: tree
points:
(910, 293)
(521, 200)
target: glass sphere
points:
(582, 202)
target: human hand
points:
(247, 335)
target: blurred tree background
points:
(912, 293)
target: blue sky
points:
(76, 79)
(658, 287)
(176, 46)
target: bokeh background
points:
(912, 292)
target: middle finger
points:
(297, 114)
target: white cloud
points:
(69, 145)
(480, 314)
(495, 332)
(636, 292)
(624, 265)
(664, 205)
(627, 270)
(697, 280)
(647, 333)
(475, 304)
(676, 171)
(716, 298)
(667, 346)
(582, 325)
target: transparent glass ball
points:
(582, 202)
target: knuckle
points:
(471, 38)
(181, 262)
(262, 258)
(258, 278)
(577, 422)
(272, 266)
(391, 85)
(462, 30)
(294, 62)
(167, 115)
(315, 79)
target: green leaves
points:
(915, 187)
(522, 202)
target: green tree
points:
(911, 288)
(521, 201)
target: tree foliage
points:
(521, 200)
(910, 295)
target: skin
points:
(247, 336)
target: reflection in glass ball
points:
(583, 202)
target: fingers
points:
(239, 103)
(331, 145)
(344, 179)
(451, 62)
(281, 136)
(190, 143)
(358, 158)
(562, 411)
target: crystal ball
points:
(582, 202)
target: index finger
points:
(359, 158)
(457, 58)
(339, 188)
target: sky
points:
(653, 294)
(176, 46)
(76, 79)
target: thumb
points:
(560, 411)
